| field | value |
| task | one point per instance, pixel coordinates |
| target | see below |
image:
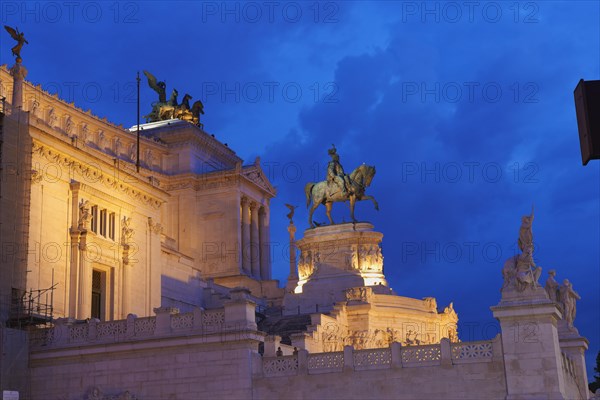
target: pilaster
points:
(246, 266)
(254, 241)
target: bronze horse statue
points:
(322, 193)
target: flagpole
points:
(137, 164)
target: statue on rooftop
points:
(158, 86)
(568, 297)
(20, 38)
(339, 187)
(552, 286)
(525, 233)
(527, 273)
(164, 110)
(520, 271)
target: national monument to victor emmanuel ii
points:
(141, 309)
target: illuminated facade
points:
(157, 283)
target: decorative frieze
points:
(92, 174)
(308, 263)
(96, 394)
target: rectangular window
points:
(94, 222)
(111, 226)
(98, 296)
(103, 222)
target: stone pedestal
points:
(333, 259)
(532, 356)
(240, 310)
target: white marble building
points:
(162, 282)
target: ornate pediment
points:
(256, 175)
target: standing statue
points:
(20, 38)
(568, 297)
(552, 286)
(525, 233)
(126, 231)
(84, 215)
(339, 187)
(290, 215)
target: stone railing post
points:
(198, 317)
(396, 349)
(130, 332)
(163, 319)
(348, 358)
(257, 365)
(93, 328)
(62, 327)
(302, 362)
(240, 311)
(445, 353)
(272, 342)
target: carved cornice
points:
(209, 181)
(184, 134)
(91, 173)
(71, 124)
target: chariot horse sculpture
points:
(327, 192)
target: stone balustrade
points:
(395, 356)
(168, 321)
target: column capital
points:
(253, 206)
(244, 200)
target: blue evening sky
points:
(465, 108)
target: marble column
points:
(74, 273)
(246, 235)
(265, 243)
(18, 72)
(125, 283)
(126, 235)
(84, 293)
(293, 276)
(254, 241)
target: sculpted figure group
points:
(564, 296)
(163, 109)
(520, 273)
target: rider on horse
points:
(335, 173)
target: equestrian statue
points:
(339, 187)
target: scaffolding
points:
(33, 308)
